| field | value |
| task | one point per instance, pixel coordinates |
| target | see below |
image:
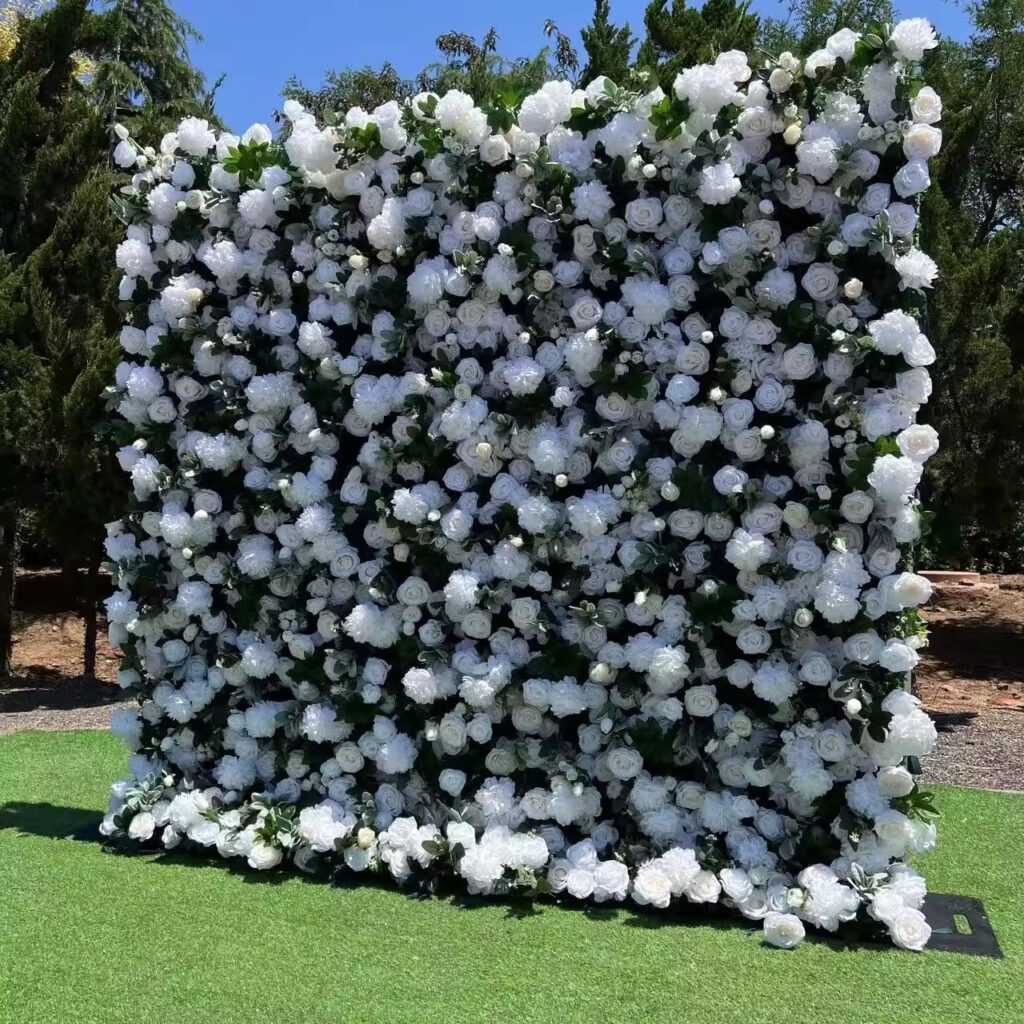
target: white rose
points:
(586, 312)
(162, 410)
(895, 781)
(704, 887)
(918, 442)
(452, 781)
(926, 106)
(922, 142)
(652, 886)
(910, 929)
(349, 757)
(700, 701)
(543, 281)
(500, 761)
(188, 390)
(903, 219)
(911, 590)
(624, 762)
(856, 506)
(413, 591)
(142, 826)
(912, 178)
(477, 624)
(820, 281)
(786, 931)
(494, 150)
(451, 732)
(643, 214)
(816, 669)
(749, 446)
(263, 857)
(799, 362)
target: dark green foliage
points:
(51, 137)
(58, 318)
(48, 128)
(365, 87)
(478, 68)
(971, 224)
(143, 54)
(608, 47)
(472, 65)
(679, 36)
(810, 22)
(566, 61)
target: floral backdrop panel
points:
(524, 493)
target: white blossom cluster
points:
(523, 495)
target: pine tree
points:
(971, 224)
(50, 139)
(608, 47)
(57, 283)
(681, 36)
(143, 56)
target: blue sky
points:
(260, 43)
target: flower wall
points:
(523, 494)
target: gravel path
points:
(57, 720)
(983, 750)
(27, 702)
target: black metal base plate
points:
(960, 925)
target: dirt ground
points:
(971, 678)
(47, 690)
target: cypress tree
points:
(971, 224)
(680, 36)
(51, 137)
(58, 313)
(608, 47)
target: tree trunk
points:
(90, 611)
(69, 579)
(8, 564)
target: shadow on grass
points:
(50, 821)
(80, 825)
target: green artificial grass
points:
(89, 936)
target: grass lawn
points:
(106, 938)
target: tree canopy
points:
(67, 70)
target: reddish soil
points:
(48, 690)
(971, 680)
(975, 658)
